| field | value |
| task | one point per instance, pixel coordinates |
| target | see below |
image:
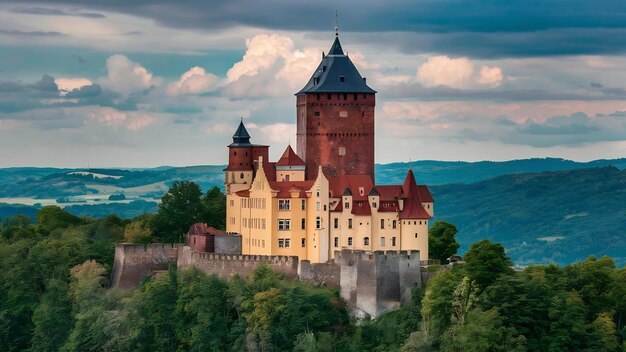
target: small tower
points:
(290, 167)
(242, 156)
(335, 122)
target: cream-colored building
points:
(278, 212)
(327, 202)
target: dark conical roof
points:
(336, 74)
(241, 138)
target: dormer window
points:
(324, 68)
(342, 79)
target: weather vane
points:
(336, 23)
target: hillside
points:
(559, 217)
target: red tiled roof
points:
(413, 208)
(202, 229)
(338, 208)
(270, 171)
(389, 192)
(338, 184)
(284, 188)
(361, 207)
(424, 193)
(290, 158)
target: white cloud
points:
(194, 81)
(114, 118)
(490, 76)
(67, 85)
(445, 71)
(126, 76)
(271, 66)
(276, 133)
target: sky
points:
(149, 83)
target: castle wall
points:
(387, 282)
(409, 273)
(133, 262)
(225, 266)
(327, 274)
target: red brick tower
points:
(335, 126)
(242, 158)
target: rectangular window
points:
(281, 243)
(336, 242)
(318, 206)
(382, 241)
(382, 223)
(346, 205)
(304, 242)
(303, 223)
(284, 224)
(318, 223)
(263, 243)
(317, 113)
(349, 241)
(394, 224)
(287, 242)
(284, 204)
(303, 204)
(342, 151)
(349, 223)
(393, 241)
(336, 223)
(374, 205)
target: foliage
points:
(138, 231)
(485, 261)
(441, 242)
(180, 207)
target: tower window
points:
(394, 224)
(342, 151)
(318, 223)
(366, 241)
(393, 241)
(336, 223)
(342, 79)
(349, 241)
(349, 223)
(318, 96)
(382, 241)
(356, 96)
(328, 96)
(303, 242)
(336, 242)
(241, 175)
(345, 97)
(303, 204)
(235, 153)
(303, 223)
(317, 113)
(382, 223)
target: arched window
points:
(349, 241)
(241, 175)
(366, 241)
(318, 223)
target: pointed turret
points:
(290, 158)
(336, 74)
(241, 138)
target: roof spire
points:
(336, 23)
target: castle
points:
(324, 199)
(315, 215)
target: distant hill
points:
(559, 217)
(442, 172)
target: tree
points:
(214, 212)
(52, 318)
(305, 342)
(138, 232)
(180, 207)
(441, 242)
(52, 217)
(485, 261)
(603, 335)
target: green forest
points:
(54, 296)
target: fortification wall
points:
(226, 265)
(133, 262)
(327, 274)
(409, 271)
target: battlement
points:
(133, 262)
(226, 265)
